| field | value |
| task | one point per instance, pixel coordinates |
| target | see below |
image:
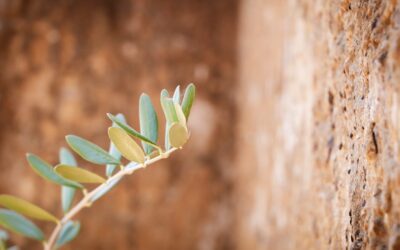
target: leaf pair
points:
(120, 136)
(46, 171)
(65, 175)
(176, 115)
(13, 220)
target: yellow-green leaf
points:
(178, 135)
(113, 151)
(26, 208)
(78, 174)
(126, 145)
(180, 114)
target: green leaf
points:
(188, 99)
(132, 131)
(169, 110)
(78, 174)
(148, 122)
(19, 224)
(67, 193)
(105, 189)
(178, 135)
(177, 95)
(113, 151)
(26, 208)
(68, 232)
(46, 171)
(126, 145)
(3, 245)
(90, 151)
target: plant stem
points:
(85, 201)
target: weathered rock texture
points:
(319, 159)
(65, 64)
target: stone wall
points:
(318, 150)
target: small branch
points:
(85, 201)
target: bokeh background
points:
(65, 64)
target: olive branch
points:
(13, 215)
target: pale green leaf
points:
(126, 145)
(26, 208)
(19, 224)
(148, 122)
(113, 151)
(178, 135)
(90, 151)
(188, 99)
(177, 95)
(68, 232)
(78, 174)
(67, 193)
(164, 93)
(168, 107)
(46, 171)
(131, 131)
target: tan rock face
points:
(320, 153)
(65, 64)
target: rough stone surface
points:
(65, 64)
(319, 153)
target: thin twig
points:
(85, 201)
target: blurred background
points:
(65, 64)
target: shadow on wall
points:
(65, 64)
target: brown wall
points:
(65, 64)
(319, 157)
